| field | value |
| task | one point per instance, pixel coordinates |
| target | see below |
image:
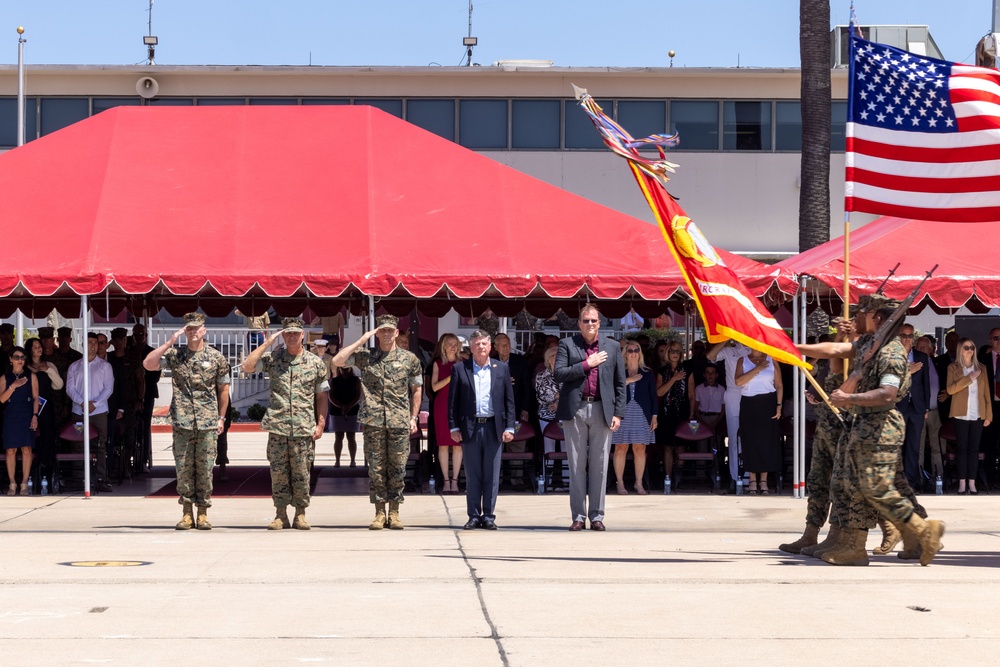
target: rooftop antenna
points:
(149, 39)
(468, 42)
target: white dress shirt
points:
(483, 379)
(102, 384)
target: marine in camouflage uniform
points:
(391, 381)
(200, 379)
(296, 415)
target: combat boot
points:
(203, 522)
(890, 537)
(187, 521)
(394, 522)
(299, 522)
(928, 533)
(851, 551)
(832, 538)
(379, 522)
(808, 539)
(280, 519)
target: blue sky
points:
(635, 33)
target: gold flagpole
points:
(847, 279)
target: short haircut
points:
(91, 334)
(477, 334)
(501, 334)
(590, 306)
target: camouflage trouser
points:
(904, 488)
(875, 463)
(386, 451)
(819, 480)
(194, 455)
(290, 459)
(848, 508)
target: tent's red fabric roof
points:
(220, 199)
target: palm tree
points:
(814, 194)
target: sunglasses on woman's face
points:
(969, 348)
(632, 351)
(17, 357)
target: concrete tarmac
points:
(684, 579)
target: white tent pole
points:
(19, 334)
(796, 407)
(371, 319)
(802, 339)
(85, 408)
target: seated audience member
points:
(638, 425)
(710, 404)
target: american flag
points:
(923, 136)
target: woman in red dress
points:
(447, 354)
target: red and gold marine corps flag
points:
(726, 306)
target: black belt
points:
(484, 420)
(711, 413)
(590, 399)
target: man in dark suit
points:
(591, 406)
(939, 406)
(914, 407)
(991, 434)
(481, 416)
(524, 396)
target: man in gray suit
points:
(591, 406)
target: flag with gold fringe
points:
(727, 308)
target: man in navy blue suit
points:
(481, 417)
(914, 407)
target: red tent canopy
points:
(303, 202)
(968, 271)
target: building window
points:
(274, 101)
(221, 101)
(318, 101)
(535, 124)
(8, 120)
(746, 126)
(788, 126)
(437, 116)
(390, 106)
(59, 112)
(643, 118)
(170, 102)
(482, 124)
(697, 123)
(580, 132)
(99, 104)
(838, 126)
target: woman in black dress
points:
(19, 390)
(675, 404)
(49, 382)
(345, 399)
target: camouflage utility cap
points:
(194, 320)
(292, 325)
(386, 322)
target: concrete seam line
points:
(35, 509)
(479, 589)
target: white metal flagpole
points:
(796, 406)
(802, 397)
(85, 408)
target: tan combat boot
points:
(831, 541)
(187, 521)
(852, 550)
(394, 522)
(300, 523)
(203, 523)
(890, 537)
(379, 522)
(808, 539)
(928, 532)
(280, 519)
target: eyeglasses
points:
(590, 321)
(632, 351)
(906, 335)
(971, 348)
(17, 357)
(673, 351)
(102, 342)
(994, 337)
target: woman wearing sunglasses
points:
(972, 410)
(19, 391)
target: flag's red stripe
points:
(981, 73)
(986, 214)
(973, 123)
(920, 184)
(919, 154)
(973, 95)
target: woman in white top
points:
(760, 411)
(972, 410)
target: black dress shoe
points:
(104, 487)
(576, 525)
(597, 525)
(488, 524)
(472, 524)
